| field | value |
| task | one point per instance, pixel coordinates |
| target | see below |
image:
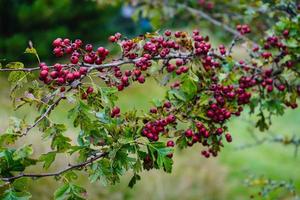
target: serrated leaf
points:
(178, 94)
(70, 191)
(11, 194)
(60, 143)
(48, 159)
(23, 152)
(8, 137)
(159, 151)
(133, 180)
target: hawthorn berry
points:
(228, 137)
(170, 143)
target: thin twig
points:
(106, 65)
(215, 22)
(44, 115)
(77, 166)
(233, 43)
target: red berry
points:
(153, 110)
(57, 42)
(83, 70)
(137, 72)
(89, 47)
(168, 33)
(170, 155)
(60, 81)
(127, 73)
(171, 118)
(112, 38)
(167, 104)
(189, 133)
(141, 79)
(74, 59)
(89, 90)
(219, 131)
(54, 74)
(76, 74)
(62, 89)
(43, 73)
(285, 33)
(84, 96)
(228, 137)
(70, 77)
(170, 143)
(270, 88)
(58, 67)
(116, 110)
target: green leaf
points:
(261, 123)
(8, 137)
(54, 129)
(81, 116)
(17, 79)
(177, 94)
(100, 170)
(103, 117)
(291, 42)
(189, 87)
(61, 143)
(32, 51)
(48, 159)
(21, 184)
(133, 180)
(11, 194)
(23, 152)
(181, 142)
(156, 102)
(108, 95)
(70, 191)
(159, 151)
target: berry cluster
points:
(243, 29)
(209, 5)
(202, 134)
(176, 50)
(152, 130)
(60, 74)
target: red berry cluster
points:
(115, 38)
(268, 82)
(176, 49)
(152, 129)
(60, 74)
(202, 134)
(243, 29)
(88, 91)
(206, 4)
(76, 50)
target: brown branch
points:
(106, 65)
(216, 22)
(44, 115)
(124, 62)
(51, 107)
(71, 167)
(22, 69)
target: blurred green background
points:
(193, 176)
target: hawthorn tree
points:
(206, 88)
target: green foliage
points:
(110, 142)
(70, 191)
(48, 159)
(11, 194)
